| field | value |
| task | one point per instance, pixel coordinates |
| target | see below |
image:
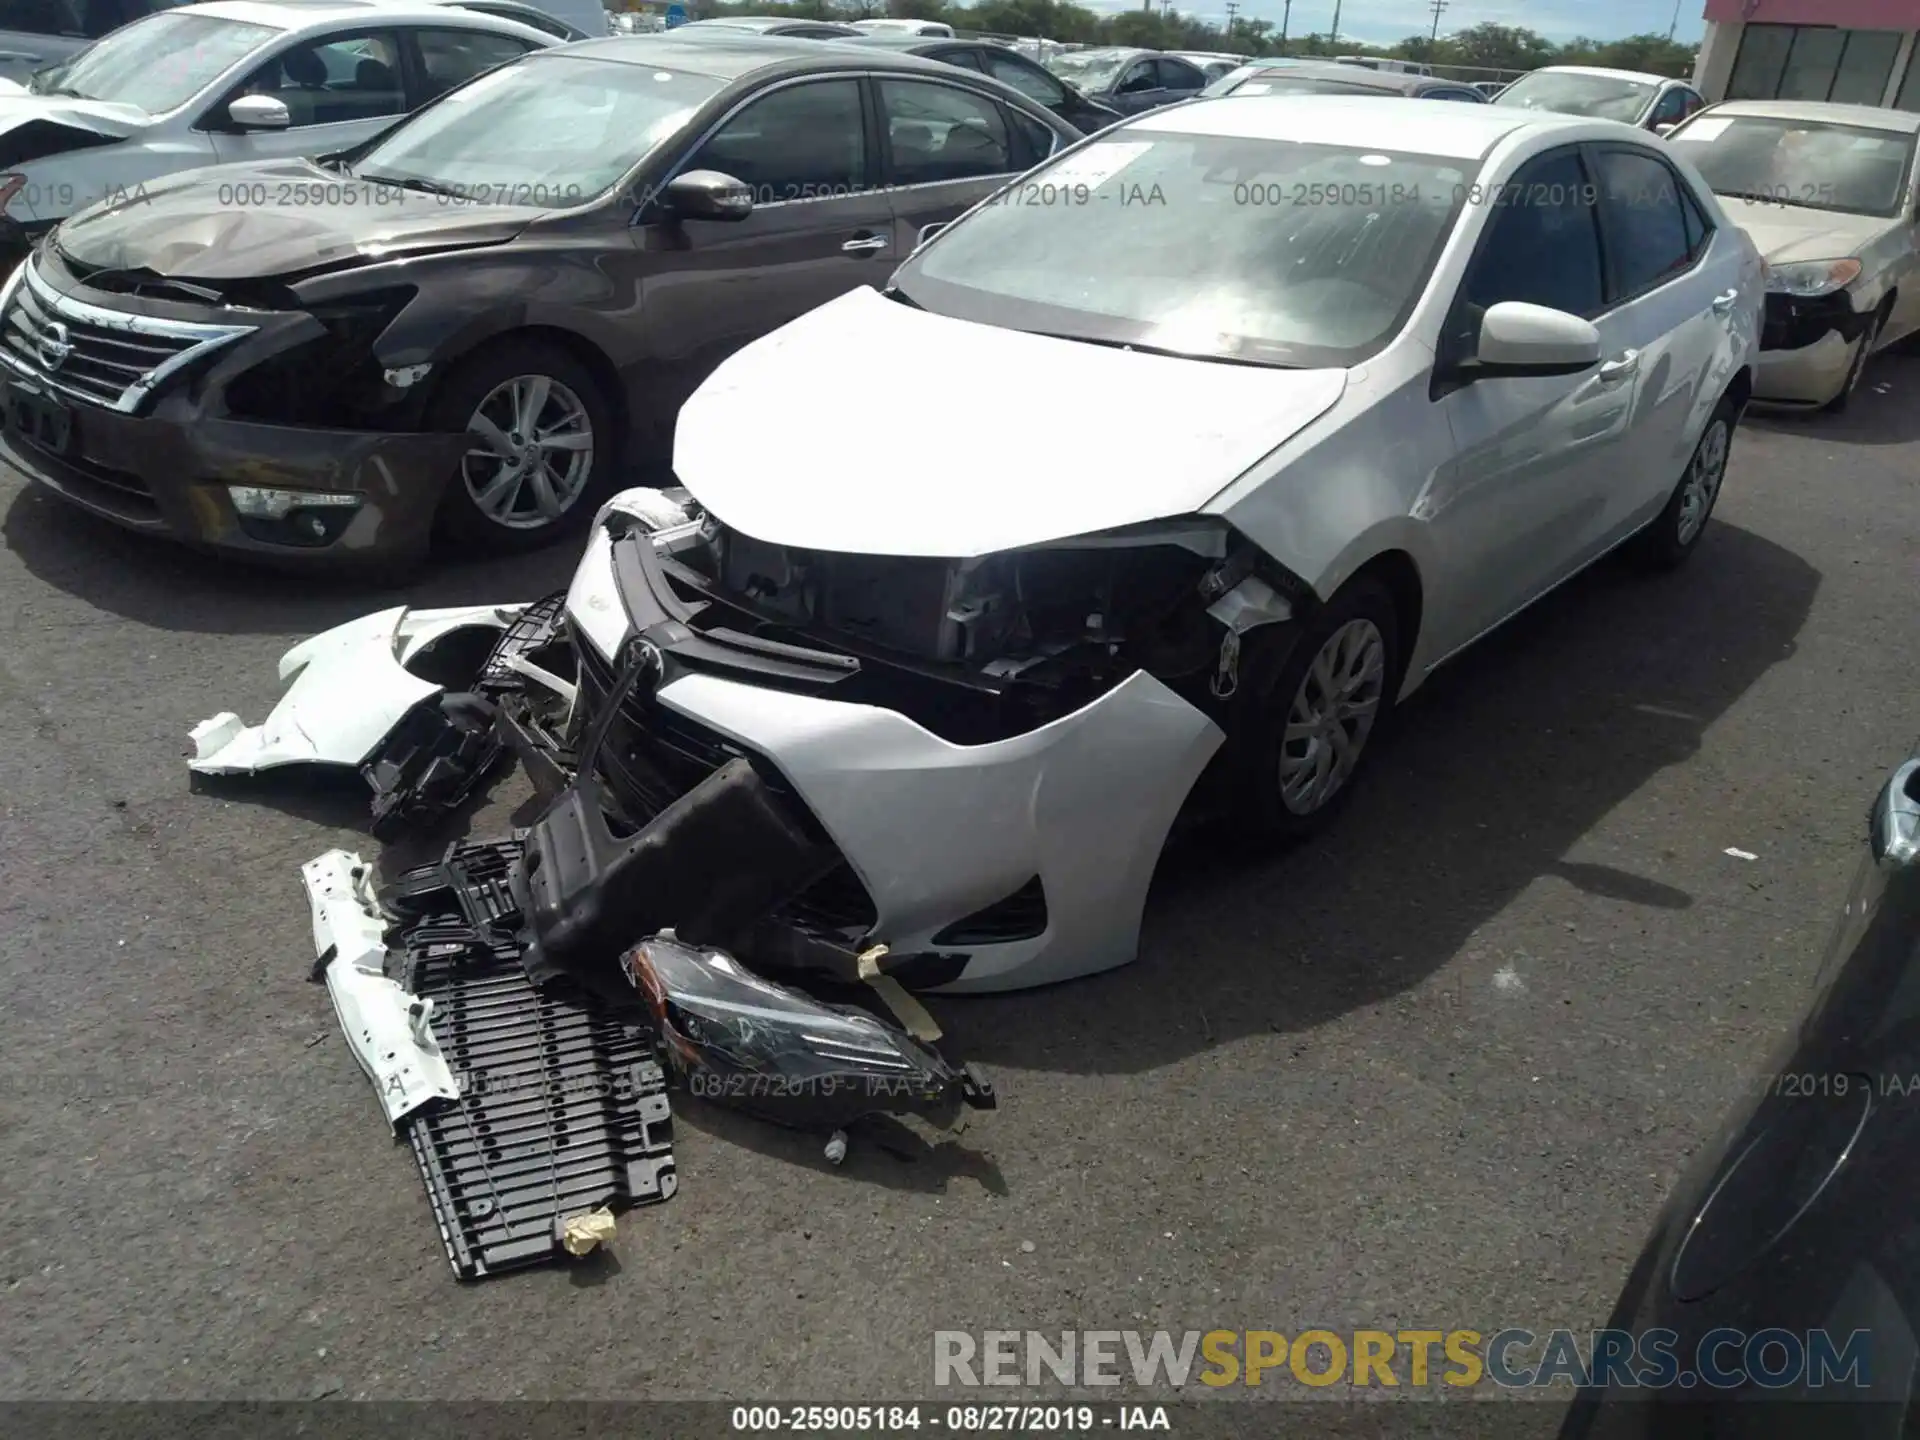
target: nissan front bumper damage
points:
(373, 695)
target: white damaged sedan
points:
(1176, 465)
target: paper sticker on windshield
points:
(1709, 129)
(1097, 164)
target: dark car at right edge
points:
(1779, 1294)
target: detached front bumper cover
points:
(358, 697)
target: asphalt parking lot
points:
(1437, 1070)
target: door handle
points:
(1617, 370)
(1723, 303)
(864, 245)
(9, 55)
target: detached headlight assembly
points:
(1809, 279)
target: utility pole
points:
(1433, 37)
(1285, 15)
(1675, 24)
(1233, 8)
(1334, 36)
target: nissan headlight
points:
(1809, 279)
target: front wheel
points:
(1310, 709)
(1863, 349)
(541, 444)
(1676, 531)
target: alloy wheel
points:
(534, 452)
(1331, 715)
(1702, 484)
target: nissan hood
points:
(258, 220)
(870, 426)
(1787, 234)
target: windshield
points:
(1809, 164)
(1262, 251)
(157, 64)
(550, 131)
(1090, 69)
(1599, 97)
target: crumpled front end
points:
(994, 749)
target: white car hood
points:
(872, 427)
(18, 107)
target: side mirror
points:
(1666, 127)
(709, 195)
(927, 232)
(1519, 340)
(1896, 817)
(259, 112)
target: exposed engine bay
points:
(1021, 637)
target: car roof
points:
(299, 14)
(1391, 82)
(1364, 122)
(1604, 73)
(1092, 50)
(1904, 122)
(899, 40)
(730, 57)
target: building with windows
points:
(1858, 52)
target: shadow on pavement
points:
(1495, 770)
(168, 587)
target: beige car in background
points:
(1830, 195)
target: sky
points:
(1385, 21)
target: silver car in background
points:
(1363, 390)
(1831, 196)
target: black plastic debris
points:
(431, 761)
(783, 1056)
(444, 747)
(563, 1107)
(711, 864)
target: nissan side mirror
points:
(259, 112)
(927, 232)
(1666, 127)
(708, 195)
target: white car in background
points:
(1831, 195)
(235, 80)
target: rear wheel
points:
(1676, 531)
(541, 445)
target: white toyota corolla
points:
(1175, 466)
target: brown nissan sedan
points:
(470, 326)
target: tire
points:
(1675, 533)
(488, 509)
(1862, 353)
(1287, 785)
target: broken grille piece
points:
(562, 1109)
